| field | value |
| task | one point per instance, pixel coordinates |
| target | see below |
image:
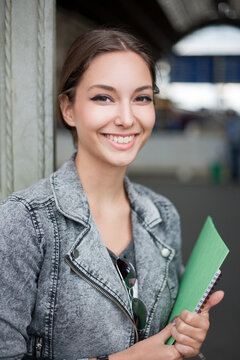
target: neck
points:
(102, 183)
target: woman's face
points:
(113, 110)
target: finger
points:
(187, 340)
(186, 351)
(165, 334)
(193, 320)
(197, 332)
(214, 299)
(173, 353)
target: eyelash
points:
(100, 98)
(145, 97)
(104, 97)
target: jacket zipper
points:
(38, 347)
(104, 292)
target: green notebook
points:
(201, 272)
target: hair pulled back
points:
(85, 48)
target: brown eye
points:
(143, 99)
(102, 98)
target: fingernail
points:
(173, 321)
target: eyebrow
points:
(110, 88)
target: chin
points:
(123, 162)
(120, 160)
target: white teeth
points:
(120, 139)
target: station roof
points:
(160, 23)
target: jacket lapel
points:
(94, 261)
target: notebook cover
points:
(206, 258)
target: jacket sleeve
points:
(20, 257)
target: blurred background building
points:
(192, 156)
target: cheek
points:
(93, 118)
(147, 117)
(153, 119)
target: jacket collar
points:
(72, 202)
(68, 192)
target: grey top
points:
(127, 254)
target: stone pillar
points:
(27, 92)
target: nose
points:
(125, 116)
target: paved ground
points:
(194, 202)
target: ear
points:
(67, 109)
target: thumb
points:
(166, 333)
(214, 299)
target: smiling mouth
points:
(120, 139)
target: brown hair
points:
(85, 48)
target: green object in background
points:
(205, 260)
(216, 173)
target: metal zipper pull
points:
(38, 347)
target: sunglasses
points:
(128, 274)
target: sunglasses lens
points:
(128, 273)
(139, 313)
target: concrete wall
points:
(27, 59)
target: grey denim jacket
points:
(61, 296)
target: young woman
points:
(90, 261)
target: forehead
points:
(118, 66)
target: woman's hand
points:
(190, 329)
(153, 348)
